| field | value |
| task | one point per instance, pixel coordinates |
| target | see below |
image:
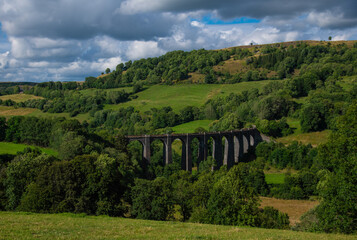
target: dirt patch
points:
(214, 92)
(20, 97)
(294, 208)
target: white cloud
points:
(4, 59)
(332, 19)
(141, 49)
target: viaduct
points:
(237, 143)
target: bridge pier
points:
(168, 150)
(229, 152)
(146, 148)
(217, 151)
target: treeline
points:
(272, 62)
(109, 183)
(73, 102)
(7, 88)
(169, 68)
(69, 137)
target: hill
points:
(71, 226)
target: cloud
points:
(79, 19)
(4, 59)
(141, 49)
(68, 40)
(329, 19)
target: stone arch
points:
(197, 150)
(134, 143)
(156, 150)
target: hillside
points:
(71, 226)
(303, 95)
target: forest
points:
(97, 172)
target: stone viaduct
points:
(237, 143)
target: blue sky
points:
(69, 40)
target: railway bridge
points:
(237, 143)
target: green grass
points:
(13, 148)
(313, 138)
(79, 117)
(190, 127)
(295, 125)
(19, 97)
(180, 96)
(69, 226)
(274, 178)
(91, 91)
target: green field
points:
(180, 96)
(190, 127)
(69, 226)
(91, 91)
(19, 97)
(313, 138)
(13, 148)
(274, 178)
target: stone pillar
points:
(236, 149)
(183, 155)
(239, 147)
(246, 142)
(168, 150)
(229, 152)
(146, 148)
(204, 146)
(217, 151)
(188, 154)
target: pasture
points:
(182, 95)
(19, 97)
(190, 127)
(13, 148)
(18, 225)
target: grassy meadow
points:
(18, 225)
(182, 95)
(313, 138)
(19, 97)
(274, 178)
(190, 127)
(294, 208)
(13, 148)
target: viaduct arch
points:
(237, 143)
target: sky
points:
(68, 40)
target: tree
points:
(2, 128)
(21, 172)
(338, 189)
(329, 38)
(152, 199)
(107, 71)
(232, 202)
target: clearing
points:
(13, 148)
(294, 208)
(19, 97)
